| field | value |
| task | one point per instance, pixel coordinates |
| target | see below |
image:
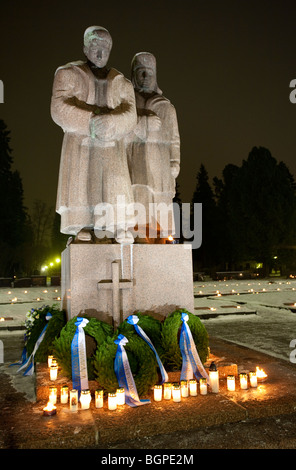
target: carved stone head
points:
(97, 45)
(144, 73)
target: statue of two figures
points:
(121, 148)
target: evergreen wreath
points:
(171, 328)
(141, 358)
(35, 322)
(95, 328)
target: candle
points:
(253, 379)
(120, 395)
(64, 394)
(53, 371)
(99, 398)
(112, 401)
(167, 390)
(231, 383)
(49, 360)
(176, 393)
(157, 392)
(184, 388)
(74, 400)
(243, 378)
(203, 387)
(193, 387)
(49, 409)
(53, 392)
(85, 399)
(214, 378)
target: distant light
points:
(58, 260)
(50, 264)
(275, 257)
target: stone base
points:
(153, 279)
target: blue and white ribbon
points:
(28, 364)
(78, 356)
(22, 359)
(133, 320)
(191, 364)
(124, 374)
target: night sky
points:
(226, 65)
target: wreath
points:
(95, 328)
(141, 358)
(35, 322)
(170, 336)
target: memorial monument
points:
(121, 150)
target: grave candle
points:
(49, 360)
(74, 400)
(203, 388)
(243, 378)
(53, 391)
(176, 393)
(214, 378)
(120, 395)
(85, 399)
(53, 371)
(157, 392)
(64, 394)
(167, 390)
(253, 379)
(49, 409)
(99, 400)
(231, 383)
(193, 387)
(184, 388)
(112, 401)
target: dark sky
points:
(226, 65)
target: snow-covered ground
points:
(271, 329)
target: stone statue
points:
(95, 107)
(153, 146)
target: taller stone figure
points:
(95, 107)
(153, 146)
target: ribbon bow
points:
(78, 356)
(133, 320)
(124, 374)
(191, 361)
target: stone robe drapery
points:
(93, 170)
(151, 153)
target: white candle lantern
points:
(203, 387)
(99, 398)
(74, 400)
(112, 401)
(176, 393)
(214, 378)
(53, 393)
(120, 394)
(243, 378)
(184, 388)
(85, 399)
(253, 379)
(157, 392)
(53, 371)
(64, 394)
(231, 383)
(167, 390)
(193, 387)
(49, 360)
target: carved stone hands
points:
(175, 169)
(103, 127)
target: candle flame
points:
(260, 373)
(49, 407)
(170, 238)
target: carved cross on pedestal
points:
(115, 284)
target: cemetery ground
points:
(250, 323)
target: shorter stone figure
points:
(153, 147)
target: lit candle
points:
(176, 393)
(243, 378)
(253, 379)
(74, 400)
(53, 372)
(64, 394)
(214, 378)
(112, 401)
(167, 390)
(203, 388)
(120, 394)
(193, 387)
(49, 409)
(53, 392)
(85, 399)
(49, 360)
(231, 383)
(184, 388)
(99, 398)
(157, 392)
